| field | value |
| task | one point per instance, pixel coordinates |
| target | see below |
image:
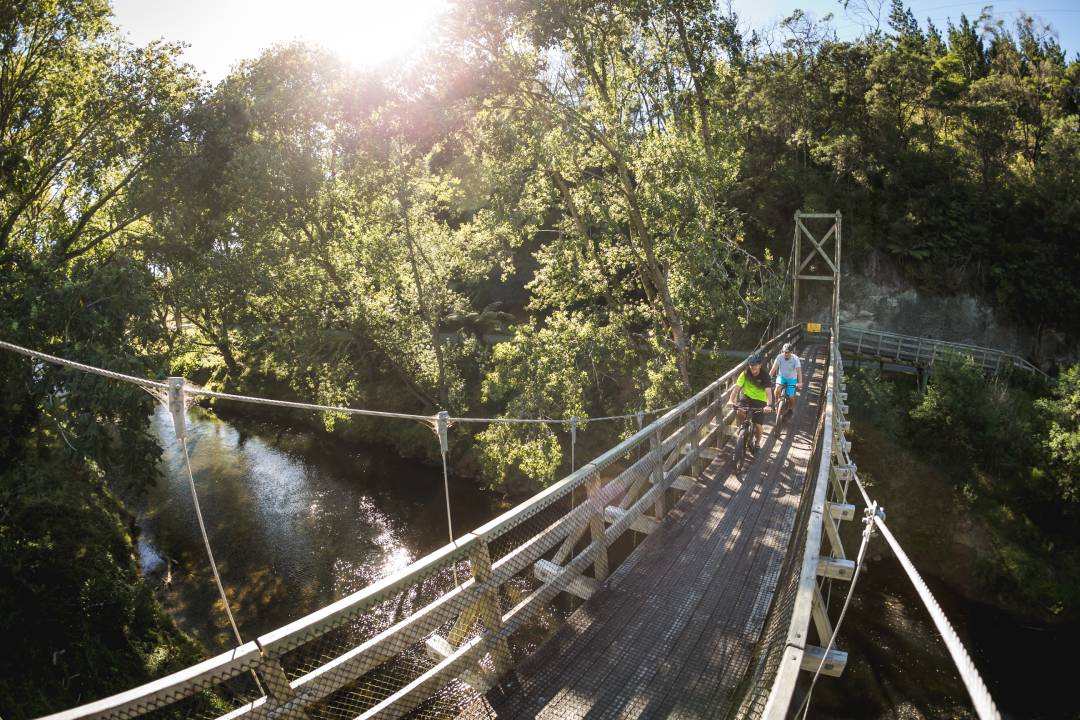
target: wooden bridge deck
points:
(672, 631)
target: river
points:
(295, 522)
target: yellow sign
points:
(813, 327)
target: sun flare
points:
(364, 32)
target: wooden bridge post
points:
(489, 606)
(695, 444)
(657, 475)
(795, 275)
(279, 690)
(596, 529)
(817, 250)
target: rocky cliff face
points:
(874, 295)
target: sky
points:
(221, 33)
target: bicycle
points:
(786, 404)
(745, 434)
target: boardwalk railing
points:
(429, 637)
(922, 352)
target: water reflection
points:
(293, 524)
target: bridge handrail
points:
(787, 674)
(265, 654)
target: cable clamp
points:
(442, 422)
(176, 405)
(870, 514)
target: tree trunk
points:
(699, 91)
(421, 295)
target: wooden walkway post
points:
(596, 529)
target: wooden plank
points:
(833, 533)
(583, 587)
(708, 453)
(820, 615)
(596, 530)
(643, 524)
(833, 667)
(685, 483)
(835, 568)
(841, 511)
(439, 649)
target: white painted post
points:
(596, 529)
(795, 262)
(573, 443)
(657, 475)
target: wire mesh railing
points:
(427, 639)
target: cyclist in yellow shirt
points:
(753, 386)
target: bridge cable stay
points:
(980, 695)
(427, 419)
(172, 394)
(439, 422)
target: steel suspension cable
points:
(192, 390)
(984, 704)
(206, 542)
(980, 695)
(37, 355)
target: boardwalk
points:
(673, 630)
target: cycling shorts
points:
(788, 383)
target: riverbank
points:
(79, 621)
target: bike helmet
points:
(755, 359)
(786, 348)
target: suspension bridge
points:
(653, 581)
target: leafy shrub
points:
(1061, 442)
(872, 395)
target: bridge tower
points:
(801, 264)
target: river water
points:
(296, 523)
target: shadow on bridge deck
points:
(673, 630)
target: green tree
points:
(1062, 440)
(85, 121)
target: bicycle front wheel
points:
(740, 450)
